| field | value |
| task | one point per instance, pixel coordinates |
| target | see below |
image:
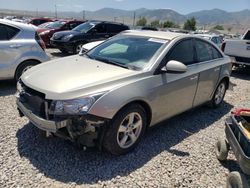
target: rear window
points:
(205, 51)
(7, 32)
(113, 28)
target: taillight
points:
(223, 46)
(40, 41)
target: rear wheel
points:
(126, 130)
(24, 67)
(219, 95)
(236, 180)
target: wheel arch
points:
(144, 105)
(23, 62)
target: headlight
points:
(67, 37)
(78, 106)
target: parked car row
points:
(72, 41)
(48, 30)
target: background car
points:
(20, 49)
(110, 95)
(216, 39)
(89, 46)
(44, 25)
(39, 21)
(47, 32)
(72, 41)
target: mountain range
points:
(204, 17)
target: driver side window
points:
(100, 28)
(183, 52)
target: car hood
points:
(75, 76)
(61, 34)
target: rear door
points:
(114, 29)
(208, 63)
(101, 32)
(9, 50)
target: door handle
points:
(106, 36)
(15, 45)
(194, 78)
(216, 69)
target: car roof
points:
(207, 35)
(154, 34)
(19, 25)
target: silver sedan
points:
(111, 94)
(20, 49)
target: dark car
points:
(39, 21)
(47, 32)
(72, 41)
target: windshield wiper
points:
(112, 62)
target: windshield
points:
(55, 25)
(84, 28)
(128, 51)
(44, 25)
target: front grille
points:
(34, 101)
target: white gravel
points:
(178, 153)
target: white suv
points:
(20, 49)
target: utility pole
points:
(115, 19)
(134, 19)
(83, 15)
(55, 11)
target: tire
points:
(77, 48)
(125, 130)
(221, 149)
(24, 67)
(219, 95)
(236, 180)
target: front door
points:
(176, 91)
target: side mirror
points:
(174, 67)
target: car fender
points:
(113, 101)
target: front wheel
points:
(221, 149)
(126, 130)
(219, 95)
(77, 48)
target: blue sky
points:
(181, 6)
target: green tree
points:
(219, 27)
(141, 22)
(229, 29)
(155, 23)
(170, 24)
(190, 24)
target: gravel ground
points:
(177, 153)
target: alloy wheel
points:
(129, 130)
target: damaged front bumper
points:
(85, 130)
